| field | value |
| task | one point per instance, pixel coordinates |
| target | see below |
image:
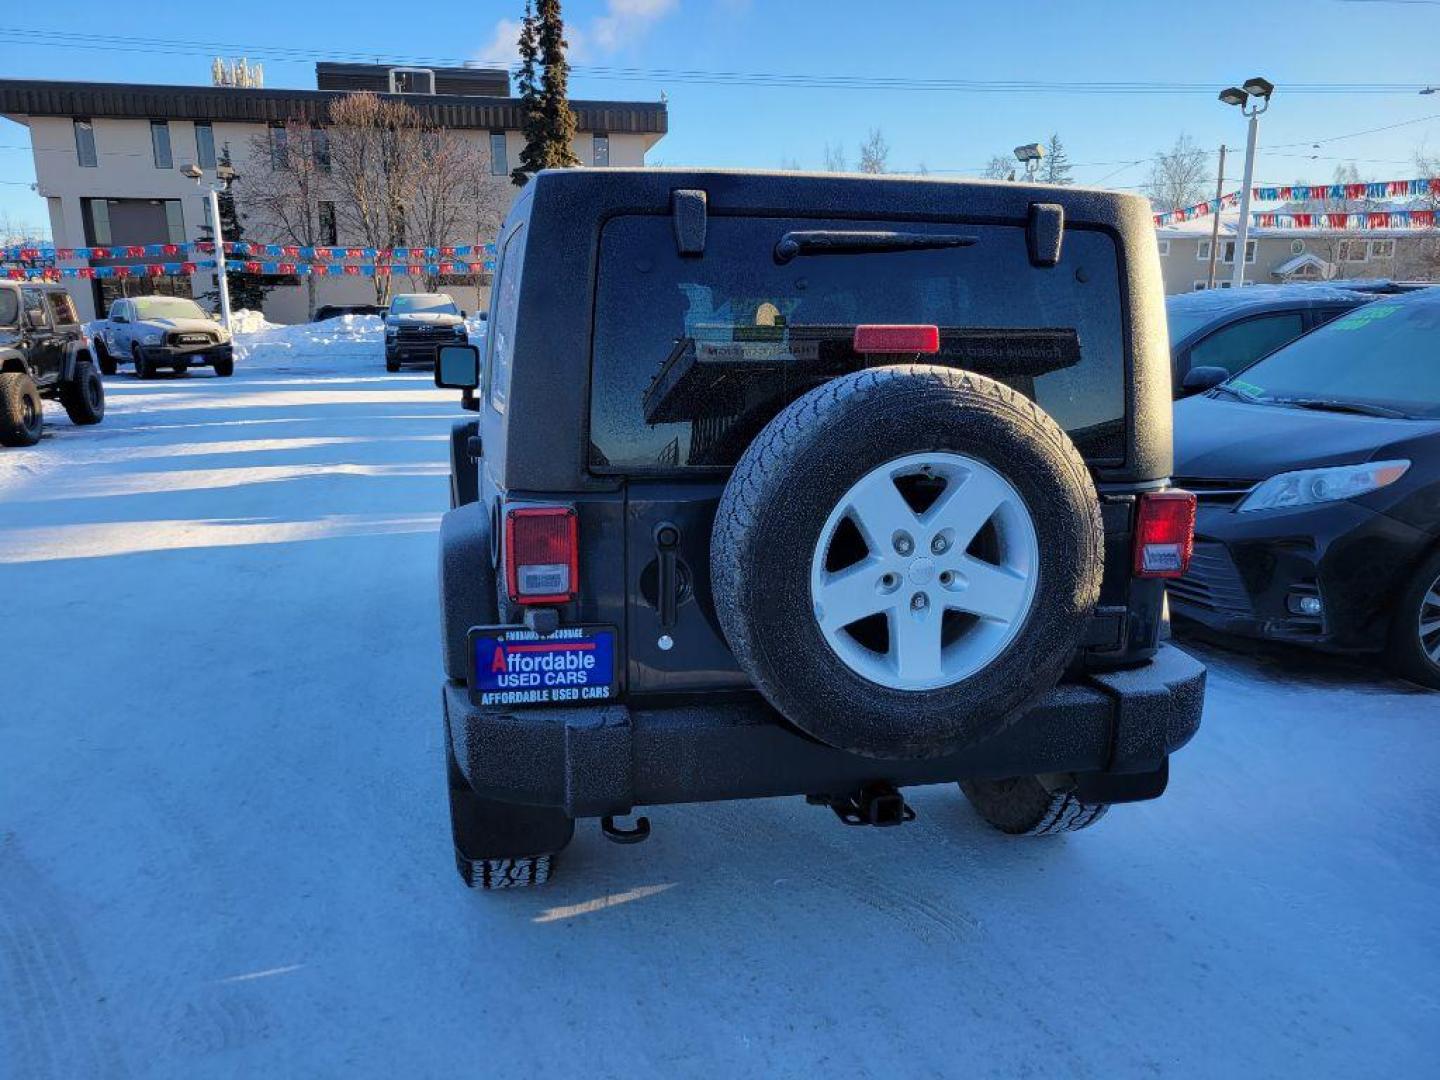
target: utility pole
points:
(1258, 91)
(1215, 220)
(221, 280)
(223, 175)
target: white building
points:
(108, 159)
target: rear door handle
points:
(667, 543)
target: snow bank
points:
(334, 343)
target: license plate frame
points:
(576, 665)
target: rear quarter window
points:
(62, 309)
(693, 356)
(501, 333)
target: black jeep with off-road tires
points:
(809, 485)
(44, 353)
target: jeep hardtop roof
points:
(538, 437)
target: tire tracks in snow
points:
(55, 1019)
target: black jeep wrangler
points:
(44, 353)
(811, 485)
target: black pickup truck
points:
(809, 485)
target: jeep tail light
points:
(886, 338)
(1164, 534)
(542, 554)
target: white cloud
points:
(504, 43)
(626, 20)
(623, 23)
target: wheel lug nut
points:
(903, 544)
(938, 545)
(919, 602)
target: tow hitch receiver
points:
(876, 804)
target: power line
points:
(793, 80)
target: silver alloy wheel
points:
(1429, 622)
(940, 548)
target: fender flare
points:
(14, 360)
(75, 351)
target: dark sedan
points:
(1318, 475)
(1217, 332)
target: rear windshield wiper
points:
(1331, 405)
(860, 242)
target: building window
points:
(85, 143)
(279, 147)
(204, 145)
(175, 221)
(160, 144)
(1200, 286)
(1382, 249)
(1352, 251)
(412, 81)
(499, 161)
(1164, 246)
(600, 153)
(329, 235)
(1227, 251)
(1202, 251)
(95, 216)
(1297, 247)
(320, 147)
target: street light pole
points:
(221, 279)
(1258, 91)
(1242, 231)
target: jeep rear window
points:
(693, 356)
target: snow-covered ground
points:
(224, 851)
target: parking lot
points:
(224, 847)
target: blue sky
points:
(1321, 41)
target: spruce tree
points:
(549, 124)
(247, 291)
(1055, 168)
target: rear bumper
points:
(606, 760)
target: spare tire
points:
(906, 558)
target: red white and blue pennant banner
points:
(1199, 210)
(290, 252)
(1379, 189)
(1372, 219)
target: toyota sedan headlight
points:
(1307, 487)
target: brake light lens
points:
(542, 554)
(1164, 534)
(884, 338)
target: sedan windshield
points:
(423, 303)
(167, 307)
(1382, 358)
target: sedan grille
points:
(1212, 492)
(1213, 583)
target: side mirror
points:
(1199, 379)
(462, 314)
(457, 367)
